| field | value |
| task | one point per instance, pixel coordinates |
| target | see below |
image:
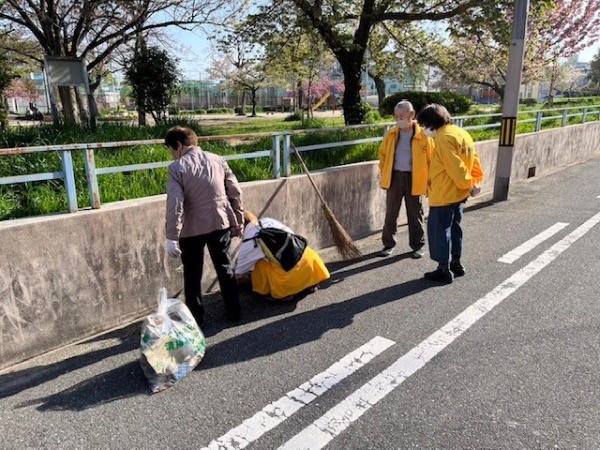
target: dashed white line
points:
(515, 254)
(337, 419)
(275, 413)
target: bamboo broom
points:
(342, 240)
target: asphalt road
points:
(506, 357)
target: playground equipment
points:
(321, 101)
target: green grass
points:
(35, 198)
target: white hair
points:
(405, 105)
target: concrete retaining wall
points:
(68, 276)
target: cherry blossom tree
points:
(477, 52)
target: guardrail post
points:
(538, 121)
(92, 179)
(564, 118)
(459, 122)
(584, 116)
(287, 170)
(67, 164)
(276, 155)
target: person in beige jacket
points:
(204, 208)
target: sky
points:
(196, 53)
(588, 54)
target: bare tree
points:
(94, 29)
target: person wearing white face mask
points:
(403, 162)
(454, 175)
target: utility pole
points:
(510, 104)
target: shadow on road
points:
(304, 327)
(14, 382)
(123, 382)
(129, 381)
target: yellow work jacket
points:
(422, 149)
(454, 168)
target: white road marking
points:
(337, 419)
(276, 412)
(515, 254)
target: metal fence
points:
(279, 152)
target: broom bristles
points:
(342, 241)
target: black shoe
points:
(312, 289)
(233, 315)
(457, 269)
(440, 275)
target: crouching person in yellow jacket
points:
(269, 278)
(404, 158)
(454, 175)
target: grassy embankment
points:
(35, 198)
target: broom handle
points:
(307, 172)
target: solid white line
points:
(276, 412)
(515, 254)
(337, 419)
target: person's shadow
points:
(12, 383)
(305, 327)
(128, 380)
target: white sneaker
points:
(387, 251)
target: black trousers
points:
(192, 256)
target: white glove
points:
(475, 190)
(173, 248)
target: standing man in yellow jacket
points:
(454, 175)
(404, 160)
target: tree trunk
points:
(3, 112)
(351, 67)
(309, 102)
(254, 102)
(243, 111)
(141, 110)
(67, 103)
(300, 92)
(380, 86)
(81, 106)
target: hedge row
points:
(455, 103)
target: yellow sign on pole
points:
(508, 131)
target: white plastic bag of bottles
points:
(172, 343)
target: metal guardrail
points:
(281, 162)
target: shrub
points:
(357, 113)
(528, 101)
(575, 101)
(455, 103)
(293, 117)
(220, 111)
(200, 111)
(373, 117)
(238, 109)
(173, 110)
(314, 123)
(269, 109)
